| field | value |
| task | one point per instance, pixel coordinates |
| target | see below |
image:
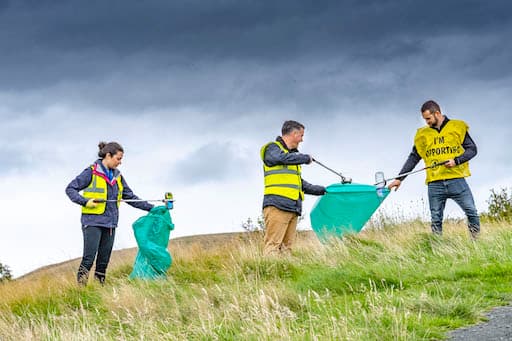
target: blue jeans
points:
(458, 190)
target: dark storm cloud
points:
(243, 29)
(224, 55)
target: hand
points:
(91, 204)
(450, 163)
(311, 159)
(394, 184)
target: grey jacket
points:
(111, 215)
(275, 156)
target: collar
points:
(280, 140)
(100, 170)
(446, 119)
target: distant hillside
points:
(204, 241)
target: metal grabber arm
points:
(381, 181)
(168, 200)
(344, 180)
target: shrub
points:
(5, 273)
(252, 226)
(500, 205)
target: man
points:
(445, 143)
(284, 187)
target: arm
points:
(410, 163)
(79, 183)
(312, 189)
(470, 150)
(275, 156)
(128, 194)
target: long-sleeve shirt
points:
(468, 144)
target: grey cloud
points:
(242, 28)
(265, 32)
(12, 160)
(214, 162)
(225, 57)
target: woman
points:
(100, 182)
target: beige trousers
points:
(280, 230)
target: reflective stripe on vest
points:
(283, 180)
(97, 189)
(437, 147)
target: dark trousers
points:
(97, 241)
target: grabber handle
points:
(169, 200)
(380, 180)
(99, 200)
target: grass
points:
(398, 282)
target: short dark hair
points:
(106, 148)
(289, 126)
(430, 106)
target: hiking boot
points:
(474, 234)
(474, 231)
(82, 278)
(100, 277)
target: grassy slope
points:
(396, 283)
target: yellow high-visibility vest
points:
(283, 180)
(436, 147)
(97, 189)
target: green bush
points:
(5, 273)
(500, 206)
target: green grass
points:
(397, 283)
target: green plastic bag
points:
(152, 235)
(345, 208)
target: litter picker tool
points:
(168, 200)
(381, 181)
(344, 179)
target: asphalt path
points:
(498, 327)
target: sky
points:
(193, 89)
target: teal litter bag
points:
(345, 208)
(152, 235)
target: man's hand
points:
(450, 163)
(394, 184)
(91, 204)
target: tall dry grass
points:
(396, 282)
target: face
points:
(432, 119)
(296, 138)
(113, 161)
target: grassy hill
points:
(121, 257)
(395, 283)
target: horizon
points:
(192, 91)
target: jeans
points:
(97, 240)
(459, 191)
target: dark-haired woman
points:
(99, 182)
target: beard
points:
(434, 124)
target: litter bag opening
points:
(345, 208)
